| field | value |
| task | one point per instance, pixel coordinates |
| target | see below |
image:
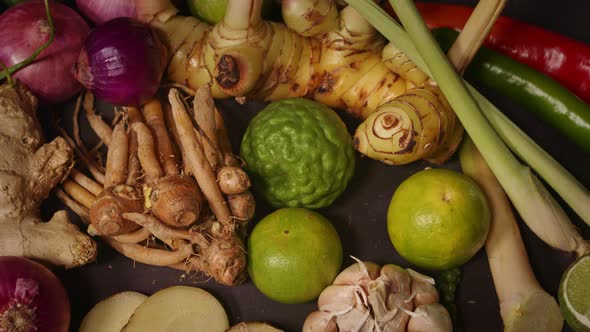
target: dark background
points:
(360, 215)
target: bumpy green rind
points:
(298, 153)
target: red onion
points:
(24, 28)
(101, 11)
(31, 297)
(122, 62)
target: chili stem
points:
(13, 69)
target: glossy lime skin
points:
(298, 153)
(579, 292)
(438, 219)
(293, 254)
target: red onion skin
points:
(122, 62)
(52, 304)
(101, 11)
(24, 28)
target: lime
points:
(212, 11)
(298, 153)
(574, 295)
(438, 219)
(293, 254)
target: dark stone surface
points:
(360, 216)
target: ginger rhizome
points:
(29, 170)
(171, 192)
(323, 52)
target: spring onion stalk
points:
(524, 305)
(535, 204)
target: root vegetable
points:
(137, 236)
(78, 208)
(163, 232)
(101, 128)
(233, 180)
(242, 206)
(204, 114)
(151, 256)
(134, 167)
(198, 163)
(253, 327)
(175, 200)
(179, 308)
(106, 213)
(224, 258)
(154, 118)
(172, 204)
(112, 313)
(524, 305)
(78, 192)
(86, 182)
(147, 152)
(340, 64)
(117, 157)
(29, 170)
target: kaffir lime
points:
(293, 254)
(298, 153)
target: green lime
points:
(212, 11)
(293, 254)
(298, 153)
(438, 219)
(574, 295)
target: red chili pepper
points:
(564, 59)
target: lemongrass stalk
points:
(474, 33)
(570, 189)
(524, 305)
(531, 199)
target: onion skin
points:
(52, 304)
(24, 28)
(122, 62)
(101, 11)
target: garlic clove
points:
(398, 279)
(337, 294)
(357, 274)
(423, 293)
(430, 318)
(320, 321)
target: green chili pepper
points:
(528, 88)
